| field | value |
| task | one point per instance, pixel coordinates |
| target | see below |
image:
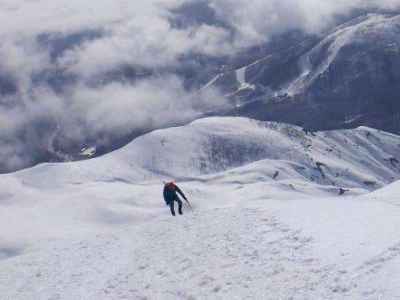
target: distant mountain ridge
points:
(349, 78)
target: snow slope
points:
(268, 221)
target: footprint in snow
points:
(206, 280)
(217, 289)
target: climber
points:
(170, 196)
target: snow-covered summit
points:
(363, 157)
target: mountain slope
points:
(294, 248)
(347, 78)
(210, 145)
(267, 221)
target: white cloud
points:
(118, 107)
(136, 43)
(84, 113)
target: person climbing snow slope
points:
(170, 196)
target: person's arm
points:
(165, 195)
(180, 192)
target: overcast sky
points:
(126, 32)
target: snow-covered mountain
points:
(363, 157)
(280, 125)
(345, 79)
(278, 213)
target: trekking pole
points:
(187, 201)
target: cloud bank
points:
(255, 21)
(75, 71)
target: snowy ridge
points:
(212, 145)
(268, 220)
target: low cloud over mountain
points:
(74, 73)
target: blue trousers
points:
(172, 206)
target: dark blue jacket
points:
(170, 193)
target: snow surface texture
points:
(268, 221)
